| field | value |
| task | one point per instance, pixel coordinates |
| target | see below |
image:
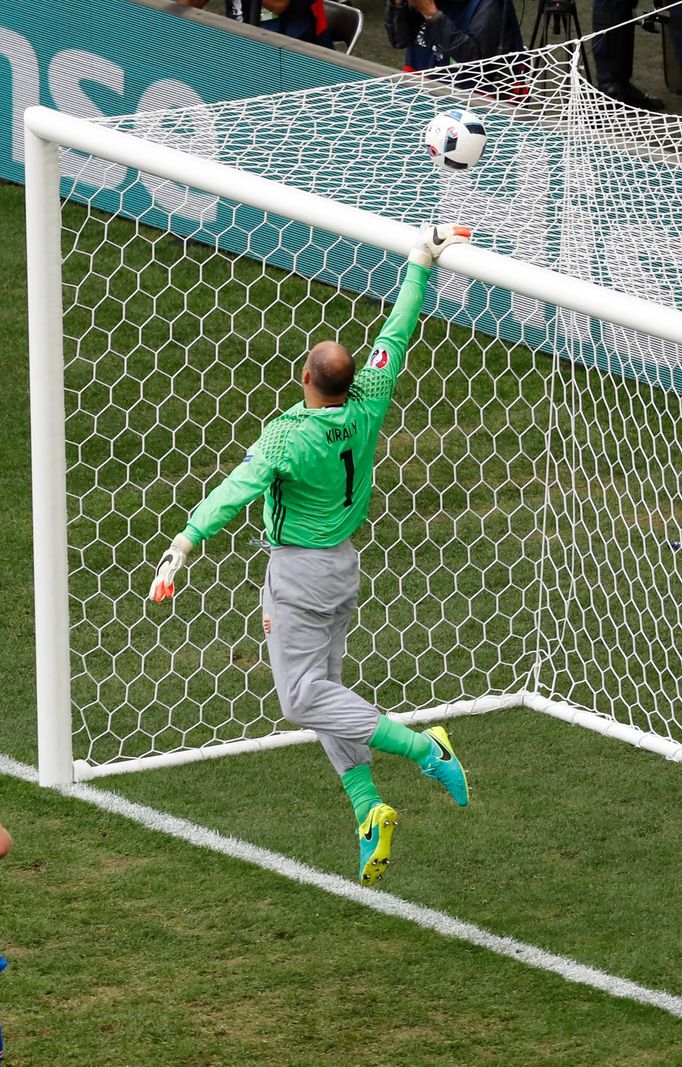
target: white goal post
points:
(515, 486)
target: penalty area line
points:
(376, 900)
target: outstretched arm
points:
(390, 348)
(244, 484)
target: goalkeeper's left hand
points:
(433, 240)
(170, 563)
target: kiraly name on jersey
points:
(336, 434)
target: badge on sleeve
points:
(378, 359)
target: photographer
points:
(437, 32)
(614, 51)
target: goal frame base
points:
(558, 709)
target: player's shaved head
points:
(332, 368)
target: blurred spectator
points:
(437, 32)
(5, 843)
(303, 19)
(614, 51)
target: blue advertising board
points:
(100, 58)
(114, 57)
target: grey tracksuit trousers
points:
(309, 597)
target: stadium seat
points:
(345, 23)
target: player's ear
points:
(306, 376)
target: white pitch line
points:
(380, 901)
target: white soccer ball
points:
(455, 139)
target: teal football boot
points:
(443, 765)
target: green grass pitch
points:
(128, 947)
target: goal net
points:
(522, 542)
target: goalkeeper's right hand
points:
(433, 240)
(170, 563)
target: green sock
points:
(392, 736)
(361, 790)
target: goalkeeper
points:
(314, 465)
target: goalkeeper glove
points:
(433, 239)
(171, 561)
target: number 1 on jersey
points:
(347, 458)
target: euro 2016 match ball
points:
(455, 140)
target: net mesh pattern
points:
(526, 507)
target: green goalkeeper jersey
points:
(314, 465)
